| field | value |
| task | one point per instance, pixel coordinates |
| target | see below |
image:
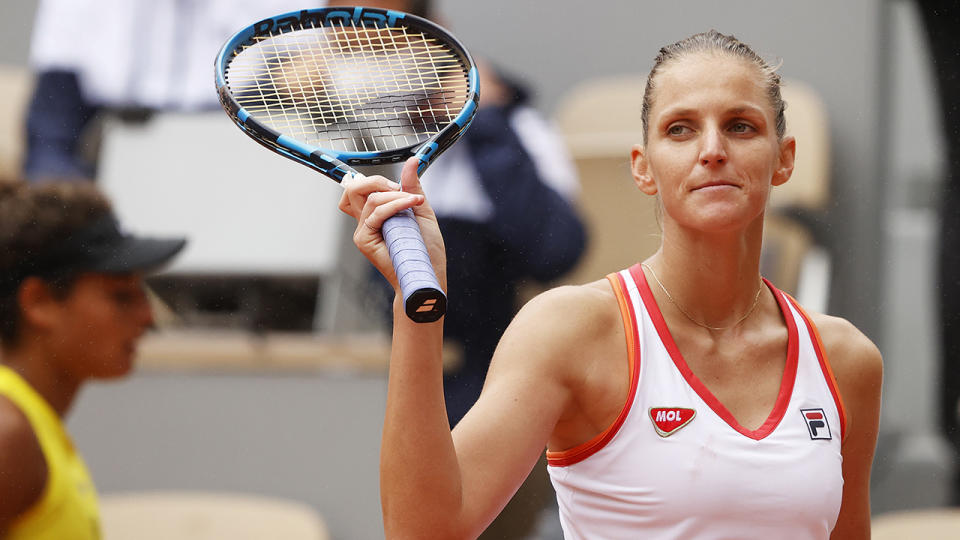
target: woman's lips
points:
(715, 185)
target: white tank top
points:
(676, 464)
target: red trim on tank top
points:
(789, 370)
(564, 458)
(824, 364)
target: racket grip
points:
(423, 299)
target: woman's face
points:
(712, 151)
(99, 323)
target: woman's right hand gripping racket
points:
(339, 87)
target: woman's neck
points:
(712, 279)
(40, 368)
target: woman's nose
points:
(712, 149)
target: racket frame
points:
(338, 164)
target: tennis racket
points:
(340, 87)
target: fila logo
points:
(668, 420)
(817, 424)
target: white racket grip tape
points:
(423, 299)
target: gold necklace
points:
(756, 300)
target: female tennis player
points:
(685, 397)
(72, 308)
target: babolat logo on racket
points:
(669, 420)
(817, 424)
(331, 17)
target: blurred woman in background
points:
(72, 308)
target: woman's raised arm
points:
(435, 483)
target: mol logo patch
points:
(668, 420)
(817, 425)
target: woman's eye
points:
(126, 297)
(123, 298)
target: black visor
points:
(98, 247)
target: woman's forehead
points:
(696, 77)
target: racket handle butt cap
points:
(426, 305)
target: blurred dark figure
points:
(57, 119)
(942, 21)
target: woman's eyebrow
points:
(743, 109)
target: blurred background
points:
(269, 374)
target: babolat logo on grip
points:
(427, 305)
(817, 424)
(668, 420)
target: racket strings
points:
(349, 88)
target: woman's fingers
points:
(358, 187)
(409, 177)
(377, 208)
(381, 205)
(411, 184)
(373, 200)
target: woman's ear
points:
(788, 152)
(640, 168)
(39, 306)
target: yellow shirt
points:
(67, 509)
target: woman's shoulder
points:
(23, 468)
(854, 359)
(576, 307)
(848, 349)
(568, 317)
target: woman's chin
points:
(721, 219)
